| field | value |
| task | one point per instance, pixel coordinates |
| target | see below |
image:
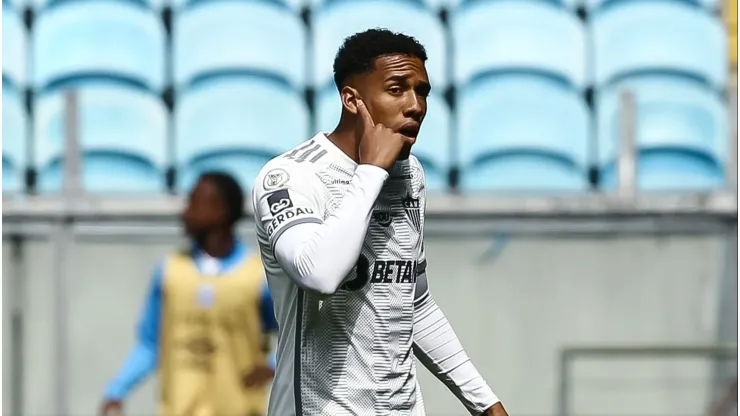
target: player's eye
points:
(395, 90)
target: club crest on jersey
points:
(279, 201)
(275, 179)
(412, 206)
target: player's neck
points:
(345, 139)
(218, 244)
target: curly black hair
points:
(231, 193)
(358, 52)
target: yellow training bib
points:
(211, 338)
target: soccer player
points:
(206, 318)
(340, 223)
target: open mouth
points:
(410, 130)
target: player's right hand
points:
(379, 145)
(111, 408)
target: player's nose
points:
(414, 108)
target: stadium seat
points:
(99, 39)
(433, 148)
(681, 133)
(122, 134)
(513, 36)
(178, 4)
(15, 127)
(522, 132)
(633, 38)
(159, 5)
(594, 5)
(264, 38)
(35, 5)
(15, 44)
(236, 124)
(336, 20)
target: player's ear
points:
(349, 97)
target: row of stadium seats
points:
(124, 40)
(521, 120)
(517, 132)
(434, 4)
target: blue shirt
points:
(143, 358)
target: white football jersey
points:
(349, 353)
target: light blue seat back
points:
(670, 170)
(680, 122)
(238, 123)
(158, 5)
(328, 107)
(242, 166)
(518, 36)
(122, 133)
(658, 37)
(39, 5)
(179, 4)
(335, 21)
(15, 45)
(437, 5)
(15, 130)
(239, 36)
(522, 132)
(112, 39)
(593, 5)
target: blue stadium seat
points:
(178, 4)
(15, 127)
(99, 39)
(593, 5)
(335, 21)
(122, 133)
(236, 124)
(523, 132)
(161, 4)
(681, 133)
(265, 38)
(442, 4)
(432, 148)
(15, 44)
(328, 108)
(36, 5)
(633, 38)
(510, 36)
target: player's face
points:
(205, 210)
(396, 93)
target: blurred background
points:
(581, 157)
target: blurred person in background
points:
(207, 317)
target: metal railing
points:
(569, 355)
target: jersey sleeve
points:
(437, 346)
(283, 197)
(316, 254)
